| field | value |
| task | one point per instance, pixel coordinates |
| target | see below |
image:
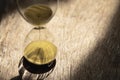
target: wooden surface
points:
(87, 34)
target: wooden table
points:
(87, 34)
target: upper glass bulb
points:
(37, 12)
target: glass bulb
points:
(37, 12)
(39, 46)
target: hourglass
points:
(38, 59)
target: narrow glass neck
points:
(39, 27)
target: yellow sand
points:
(40, 52)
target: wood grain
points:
(86, 33)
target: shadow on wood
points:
(103, 63)
(7, 7)
(16, 78)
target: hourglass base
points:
(30, 71)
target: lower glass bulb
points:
(39, 47)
